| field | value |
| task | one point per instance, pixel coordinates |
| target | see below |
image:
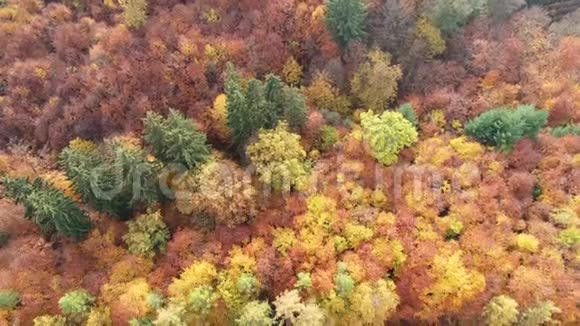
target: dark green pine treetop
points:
(48, 208)
(565, 130)
(9, 299)
(257, 107)
(175, 139)
(237, 108)
(503, 127)
(345, 20)
(408, 112)
(139, 177)
(260, 105)
(86, 169)
(296, 110)
(275, 100)
(114, 178)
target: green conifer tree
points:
(503, 127)
(48, 208)
(114, 178)
(261, 105)
(9, 299)
(295, 112)
(240, 119)
(175, 139)
(345, 20)
(78, 302)
(275, 100)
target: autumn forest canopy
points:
(289, 162)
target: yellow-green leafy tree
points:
(218, 115)
(376, 82)
(134, 12)
(387, 134)
(454, 284)
(48, 320)
(501, 311)
(279, 158)
(292, 72)
(373, 303)
(431, 35)
(147, 234)
(325, 96)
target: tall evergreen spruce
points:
(114, 178)
(48, 208)
(261, 105)
(239, 119)
(504, 127)
(175, 139)
(275, 100)
(345, 20)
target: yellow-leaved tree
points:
(454, 284)
(292, 72)
(279, 158)
(218, 115)
(375, 83)
(134, 12)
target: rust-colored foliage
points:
(441, 233)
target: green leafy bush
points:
(570, 236)
(247, 284)
(279, 158)
(501, 311)
(345, 20)
(503, 127)
(155, 300)
(256, 313)
(78, 302)
(327, 138)
(387, 134)
(451, 15)
(202, 300)
(9, 299)
(454, 230)
(343, 283)
(408, 112)
(541, 314)
(147, 234)
(48, 208)
(4, 237)
(304, 281)
(562, 131)
(175, 139)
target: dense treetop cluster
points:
(299, 162)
